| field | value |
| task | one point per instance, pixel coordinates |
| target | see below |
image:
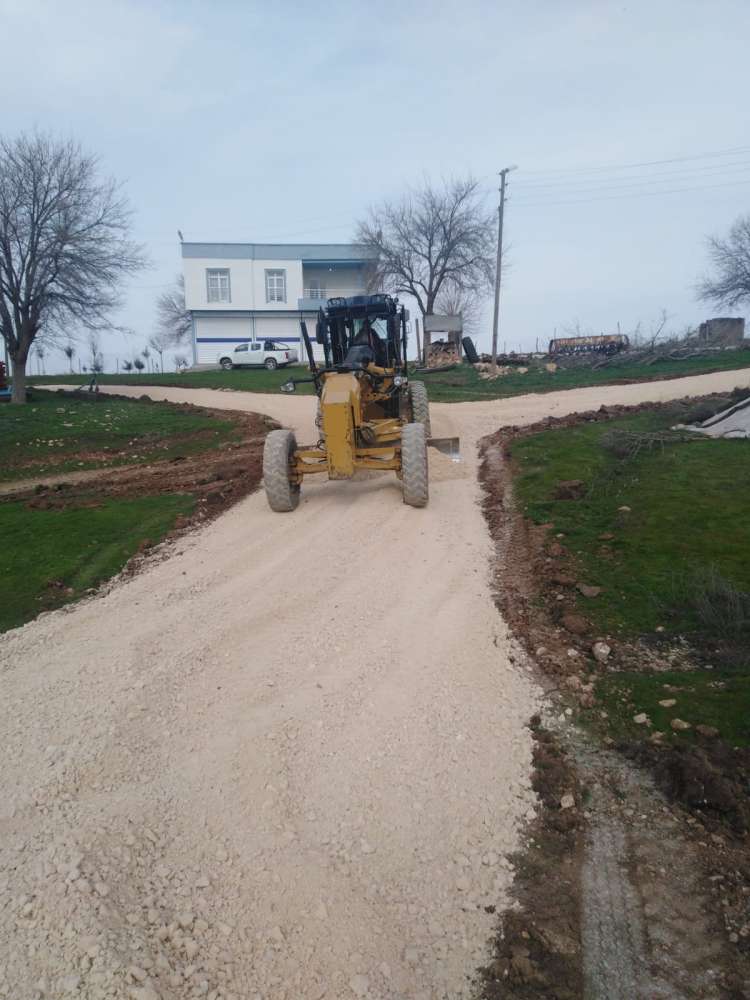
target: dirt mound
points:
(712, 778)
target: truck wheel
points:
(420, 406)
(414, 465)
(226, 364)
(282, 494)
(271, 364)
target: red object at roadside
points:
(3, 380)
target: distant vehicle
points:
(268, 354)
(609, 343)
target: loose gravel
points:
(289, 760)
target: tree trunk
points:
(19, 382)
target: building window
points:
(275, 286)
(217, 283)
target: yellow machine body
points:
(356, 431)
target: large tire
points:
(420, 405)
(469, 350)
(271, 364)
(414, 479)
(282, 494)
(226, 364)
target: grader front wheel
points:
(420, 406)
(282, 494)
(414, 465)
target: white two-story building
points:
(240, 292)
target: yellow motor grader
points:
(370, 415)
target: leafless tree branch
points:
(433, 239)
(172, 318)
(65, 244)
(730, 283)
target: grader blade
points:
(448, 446)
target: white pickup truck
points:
(260, 353)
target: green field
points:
(688, 515)
(461, 384)
(55, 434)
(242, 379)
(716, 698)
(50, 557)
(674, 565)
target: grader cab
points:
(370, 414)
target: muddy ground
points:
(636, 879)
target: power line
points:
(598, 182)
(632, 194)
(734, 151)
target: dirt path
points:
(288, 761)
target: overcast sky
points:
(283, 122)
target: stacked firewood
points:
(441, 352)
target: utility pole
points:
(499, 265)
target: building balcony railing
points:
(315, 297)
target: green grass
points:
(709, 698)
(689, 515)
(50, 557)
(677, 561)
(243, 379)
(57, 434)
(464, 383)
(459, 385)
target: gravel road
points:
(288, 760)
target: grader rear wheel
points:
(282, 494)
(414, 480)
(420, 406)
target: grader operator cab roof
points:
(362, 307)
(360, 330)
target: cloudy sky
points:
(282, 122)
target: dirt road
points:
(289, 760)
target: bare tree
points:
(452, 301)
(180, 361)
(172, 318)
(730, 257)
(69, 352)
(138, 365)
(159, 342)
(432, 238)
(94, 346)
(127, 366)
(64, 243)
(146, 355)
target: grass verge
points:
(649, 528)
(55, 434)
(654, 521)
(50, 557)
(240, 379)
